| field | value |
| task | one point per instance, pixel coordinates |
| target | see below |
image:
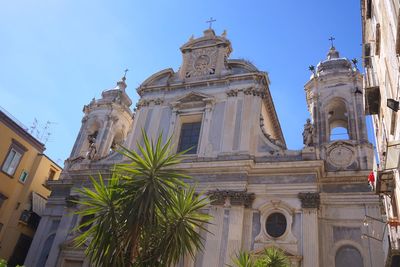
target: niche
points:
(338, 121)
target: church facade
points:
(311, 203)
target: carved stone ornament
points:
(309, 200)
(142, 103)
(341, 154)
(202, 62)
(232, 93)
(221, 197)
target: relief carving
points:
(341, 154)
(201, 62)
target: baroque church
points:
(310, 203)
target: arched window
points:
(348, 256)
(338, 121)
(339, 133)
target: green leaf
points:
(145, 214)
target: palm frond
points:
(146, 213)
(243, 259)
(106, 235)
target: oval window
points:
(276, 224)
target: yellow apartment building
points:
(24, 170)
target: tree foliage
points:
(271, 257)
(145, 214)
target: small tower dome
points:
(104, 125)
(338, 126)
(334, 64)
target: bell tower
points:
(104, 126)
(337, 128)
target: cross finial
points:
(125, 71)
(331, 39)
(210, 21)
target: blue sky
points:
(56, 55)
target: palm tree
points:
(271, 257)
(146, 215)
(243, 260)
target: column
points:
(310, 204)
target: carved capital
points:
(309, 200)
(239, 198)
(158, 101)
(142, 103)
(232, 92)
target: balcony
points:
(372, 100)
(392, 155)
(385, 182)
(30, 219)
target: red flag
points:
(371, 177)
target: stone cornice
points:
(259, 76)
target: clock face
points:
(341, 156)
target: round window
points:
(276, 224)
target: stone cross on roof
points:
(331, 39)
(210, 21)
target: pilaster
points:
(310, 204)
(235, 204)
(206, 128)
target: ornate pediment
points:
(192, 97)
(205, 57)
(193, 100)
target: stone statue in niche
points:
(308, 134)
(92, 150)
(117, 99)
